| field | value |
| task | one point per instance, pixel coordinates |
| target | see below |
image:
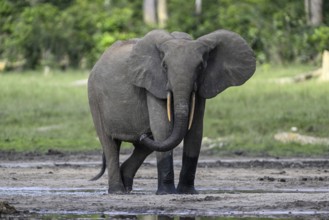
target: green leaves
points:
(320, 38)
(44, 32)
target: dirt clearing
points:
(57, 184)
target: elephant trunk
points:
(180, 128)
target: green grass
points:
(249, 116)
(40, 112)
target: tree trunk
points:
(149, 12)
(313, 9)
(198, 7)
(162, 13)
(325, 66)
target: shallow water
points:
(263, 214)
(61, 191)
(241, 162)
(158, 214)
(34, 191)
(48, 164)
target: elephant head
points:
(176, 67)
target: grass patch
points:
(40, 112)
(250, 115)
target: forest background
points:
(74, 33)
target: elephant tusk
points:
(191, 111)
(169, 105)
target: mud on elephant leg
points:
(132, 164)
(166, 180)
(192, 145)
(187, 175)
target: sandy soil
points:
(58, 184)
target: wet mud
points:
(57, 185)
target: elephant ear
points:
(145, 63)
(230, 62)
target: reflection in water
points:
(147, 214)
(157, 217)
(164, 217)
(90, 191)
(226, 216)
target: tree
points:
(162, 13)
(149, 12)
(198, 7)
(313, 10)
(155, 13)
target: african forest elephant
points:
(151, 92)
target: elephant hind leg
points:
(111, 151)
(111, 147)
(132, 164)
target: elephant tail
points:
(100, 174)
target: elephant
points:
(152, 92)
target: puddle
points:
(181, 215)
(49, 164)
(40, 191)
(254, 190)
(232, 163)
(162, 213)
(33, 191)
(81, 200)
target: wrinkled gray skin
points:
(128, 88)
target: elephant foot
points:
(117, 192)
(166, 189)
(184, 189)
(128, 183)
(117, 189)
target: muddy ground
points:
(39, 185)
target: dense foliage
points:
(75, 32)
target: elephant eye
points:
(164, 66)
(200, 67)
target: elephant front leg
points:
(161, 129)
(191, 151)
(166, 180)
